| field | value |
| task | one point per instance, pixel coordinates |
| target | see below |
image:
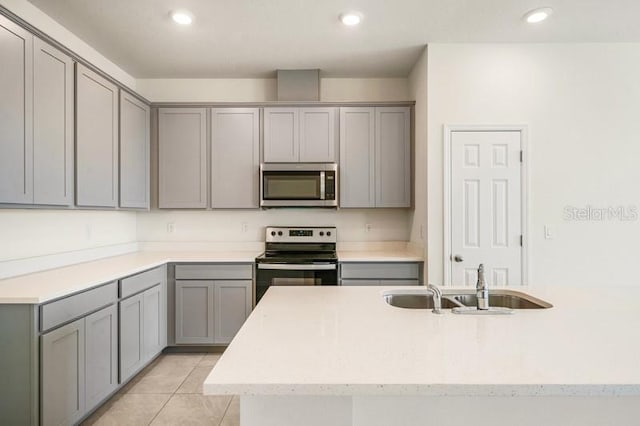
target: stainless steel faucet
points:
(482, 291)
(437, 298)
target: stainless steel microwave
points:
(299, 185)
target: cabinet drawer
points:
(64, 310)
(215, 272)
(363, 282)
(137, 283)
(378, 271)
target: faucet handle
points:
(481, 281)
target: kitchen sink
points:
(501, 299)
(452, 298)
(418, 301)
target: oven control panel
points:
(311, 234)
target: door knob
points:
(458, 258)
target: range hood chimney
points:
(298, 85)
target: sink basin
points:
(504, 299)
(452, 298)
(417, 301)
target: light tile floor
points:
(169, 392)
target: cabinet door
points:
(134, 152)
(96, 140)
(101, 355)
(16, 114)
(393, 157)
(155, 320)
(281, 135)
(182, 168)
(131, 337)
(53, 117)
(235, 158)
(232, 306)
(318, 135)
(62, 376)
(194, 312)
(357, 157)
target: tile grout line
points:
(225, 411)
(173, 394)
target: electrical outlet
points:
(549, 233)
(171, 228)
(367, 227)
(245, 226)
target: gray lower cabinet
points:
(375, 157)
(235, 158)
(212, 301)
(79, 365)
(96, 140)
(194, 312)
(131, 338)
(101, 355)
(63, 374)
(182, 158)
(16, 119)
(143, 332)
(232, 305)
(134, 152)
(380, 273)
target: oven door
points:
(294, 275)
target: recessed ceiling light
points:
(182, 17)
(351, 19)
(537, 15)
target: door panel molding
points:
(497, 158)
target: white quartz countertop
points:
(378, 256)
(47, 285)
(348, 341)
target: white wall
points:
(582, 105)
(265, 89)
(53, 29)
(227, 226)
(418, 89)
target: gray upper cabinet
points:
(235, 158)
(357, 157)
(53, 117)
(318, 135)
(134, 152)
(16, 114)
(63, 374)
(96, 140)
(281, 135)
(182, 155)
(393, 157)
(101, 355)
(293, 135)
(375, 157)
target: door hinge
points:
(521, 156)
(521, 241)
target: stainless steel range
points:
(297, 256)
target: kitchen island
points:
(342, 356)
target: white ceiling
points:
(252, 38)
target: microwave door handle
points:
(298, 267)
(322, 189)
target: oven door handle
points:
(298, 267)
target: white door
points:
(486, 207)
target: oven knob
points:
(279, 233)
(328, 233)
(273, 233)
(322, 234)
